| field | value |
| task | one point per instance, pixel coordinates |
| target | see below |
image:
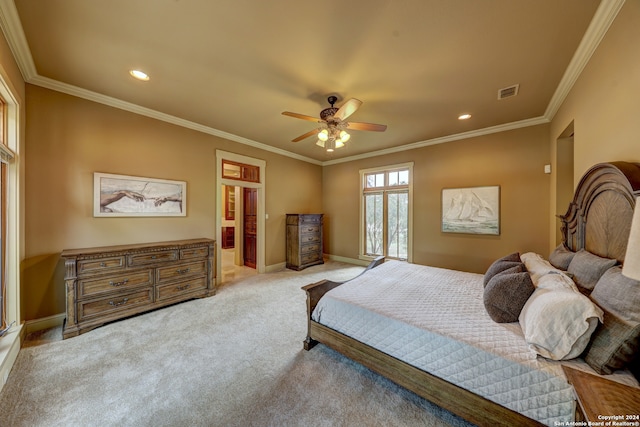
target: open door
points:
(250, 216)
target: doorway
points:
(564, 176)
(241, 190)
(233, 242)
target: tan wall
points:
(68, 139)
(604, 103)
(513, 160)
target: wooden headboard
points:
(599, 217)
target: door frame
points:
(260, 226)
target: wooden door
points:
(250, 211)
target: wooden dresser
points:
(304, 240)
(108, 283)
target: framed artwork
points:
(122, 195)
(471, 210)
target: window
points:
(8, 230)
(240, 171)
(386, 212)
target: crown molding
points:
(602, 20)
(148, 112)
(449, 138)
(13, 32)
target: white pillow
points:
(537, 266)
(557, 281)
(558, 323)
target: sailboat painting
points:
(473, 210)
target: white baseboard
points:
(45, 323)
(275, 267)
(280, 266)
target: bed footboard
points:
(315, 291)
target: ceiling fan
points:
(332, 133)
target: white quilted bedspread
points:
(435, 320)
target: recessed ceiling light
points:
(140, 75)
(464, 116)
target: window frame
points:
(385, 190)
(8, 149)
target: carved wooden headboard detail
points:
(599, 217)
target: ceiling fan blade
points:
(348, 108)
(367, 126)
(306, 135)
(301, 116)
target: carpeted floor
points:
(234, 359)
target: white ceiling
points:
(231, 67)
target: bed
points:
(437, 333)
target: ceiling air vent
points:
(508, 92)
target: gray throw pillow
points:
(561, 257)
(508, 261)
(613, 345)
(506, 294)
(588, 268)
(618, 295)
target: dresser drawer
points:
(309, 228)
(152, 257)
(310, 219)
(94, 266)
(114, 304)
(134, 279)
(313, 247)
(202, 252)
(174, 290)
(165, 274)
(309, 238)
(310, 257)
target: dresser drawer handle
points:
(183, 287)
(122, 282)
(103, 264)
(154, 256)
(116, 304)
(183, 271)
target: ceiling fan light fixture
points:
(320, 143)
(331, 145)
(344, 136)
(339, 144)
(464, 116)
(323, 135)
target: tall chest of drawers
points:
(304, 240)
(108, 283)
